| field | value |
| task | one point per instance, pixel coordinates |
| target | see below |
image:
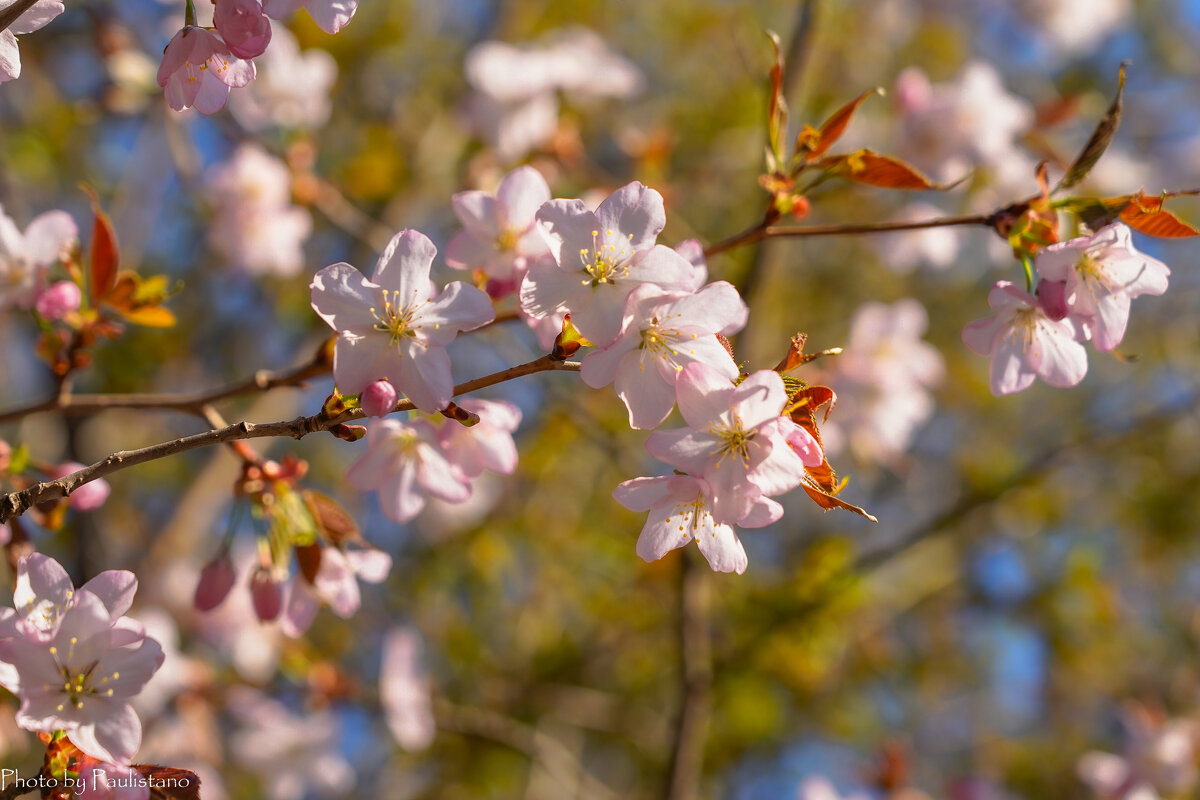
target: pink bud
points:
(58, 300)
(88, 497)
(1052, 297)
(378, 399)
(243, 26)
(216, 579)
(267, 594)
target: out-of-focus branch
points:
(695, 652)
(338, 209)
(539, 747)
(799, 47)
(764, 230)
(17, 503)
(9, 15)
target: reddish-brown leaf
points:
(170, 783)
(804, 404)
(333, 521)
(827, 501)
(833, 128)
(308, 556)
(1146, 214)
(777, 113)
(866, 166)
(105, 253)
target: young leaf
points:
(865, 166)
(833, 128)
(1098, 143)
(170, 783)
(1147, 215)
(105, 253)
(333, 521)
(777, 112)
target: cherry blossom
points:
(335, 584)
(500, 237)
(291, 89)
(600, 257)
(90, 495)
(38, 16)
(396, 326)
(404, 690)
(243, 26)
(487, 445)
(661, 333)
(330, 15)
(735, 439)
(256, 227)
(1159, 760)
(24, 257)
(44, 591)
(198, 69)
(404, 462)
(1102, 273)
(58, 300)
(1024, 343)
(681, 509)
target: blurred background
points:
(1027, 600)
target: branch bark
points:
(17, 503)
(695, 654)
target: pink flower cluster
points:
(1084, 294)
(200, 65)
(74, 660)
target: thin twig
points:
(695, 655)
(766, 231)
(18, 503)
(9, 15)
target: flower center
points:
(78, 685)
(605, 263)
(733, 441)
(1092, 273)
(397, 321)
(506, 242)
(692, 513)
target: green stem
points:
(189, 13)
(1027, 265)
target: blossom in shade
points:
(404, 690)
(58, 300)
(1024, 343)
(198, 70)
(243, 26)
(24, 257)
(291, 89)
(38, 16)
(75, 664)
(500, 237)
(90, 495)
(396, 326)
(403, 463)
(335, 585)
(487, 445)
(1103, 273)
(681, 509)
(735, 439)
(330, 15)
(600, 257)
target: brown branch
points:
(17, 503)
(695, 654)
(9, 15)
(764, 230)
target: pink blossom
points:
(24, 257)
(330, 15)
(198, 69)
(1103, 273)
(61, 298)
(291, 88)
(335, 584)
(404, 690)
(600, 257)
(681, 509)
(1024, 343)
(396, 326)
(487, 445)
(500, 236)
(44, 591)
(378, 399)
(661, 333)
(735, 439)
(216, 581)
(403, 463)
(1160, 757)
(256, 227)
(243, 26)
(90, 495)
(38, 16)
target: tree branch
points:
(764, 230)
(695, 654)
(9, 15)
(17, 503)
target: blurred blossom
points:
(1160, 760)
(330, 15)
(58, 300)
(294, 755)
(24, 257)
(1077, 27)
(488, 444)
(883, 380)
(929, 247)
(817, 787)
(335, 585)
(255, 227)
(233, 628)
(87, 497)
(292, 87)
(38, 16)
(403, 463)
(515, 107)
(949, 129)
(404, 689)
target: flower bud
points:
(58, 300)
(266, 594)
(216, 579)
(87, 497)
(378, 399)
(243, 26)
